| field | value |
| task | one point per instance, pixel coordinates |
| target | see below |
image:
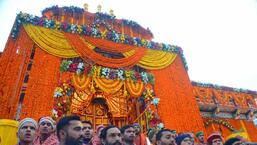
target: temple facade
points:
(109, 71)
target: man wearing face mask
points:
(46, 132)
(27, 131)
(111, 135)
(69, 131)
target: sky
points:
(219, 37)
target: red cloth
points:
(96, 140)
(140, 139)
(51, 140)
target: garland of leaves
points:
(224, 88)
(78, 66)
(220, 122)
(23, 18)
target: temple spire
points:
(86, 7)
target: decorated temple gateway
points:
(109, 71)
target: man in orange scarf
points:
(46, 132)
(140, 137)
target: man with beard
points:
(46, 132)
(165, 137)
(200, 136)
(111, 136)
(128, 134)
(215, 139)
(87, 132)
(69, 130)
(140, 137)
(27, 131)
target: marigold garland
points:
(135, 89)
(80, 81)
(108, 45)
(24, 18)
(155, 59)
(51, 41)
(221, 122)
(85, 49)
(46, 39)
(109, 86)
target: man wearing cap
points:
(215, 139)
(140, 137)
(200, 137)
(46, 134)
(27, 131)
(184, 139)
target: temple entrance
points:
(98, 113)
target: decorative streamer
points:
(81, 82)
(135, 89)
(108, 86)
(155, 59)
(85, 50)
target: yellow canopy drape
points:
(154, 59)
(55, 43)
(51, 41)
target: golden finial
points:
(99, 7)
(86, 7)
(111, 12)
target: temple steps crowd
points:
(71, 130)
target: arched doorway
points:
(97, 112)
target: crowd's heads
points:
(151, 134)
(184, 139)
(46, 125)
(111, 135)
(128, 133)
(200, 136)
(27, 130)
(87, 131)
(215, 139)
(99, 129)
(233, 141)
(137, 128)
(69, 130)
(165, 137)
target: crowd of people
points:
(71, 130)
